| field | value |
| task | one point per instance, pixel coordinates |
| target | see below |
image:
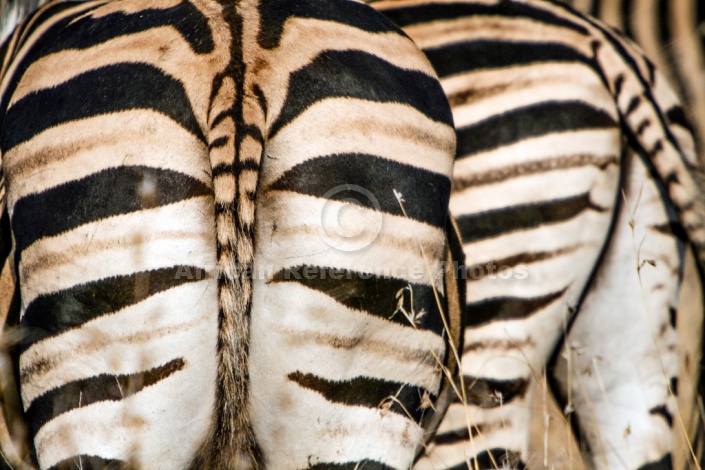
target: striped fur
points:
(672, 33)
(169, 171)
(575, 190)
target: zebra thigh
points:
(119, 302)
(530, 241)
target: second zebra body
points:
(576, 190)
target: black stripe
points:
(236, 169)
(42, 20)
(643, 125)
(673, 228)
(274, 13)
(510, 219)
(5, 238)
(506, 308)
(222, 115)
(618, 84)
(109, 89)
(664, 463)
(457, 436)
(365, 464)
(652, 71)
(104, 194)
(53, 314)
(88, 31)
(360, 75)
(633, 105)
(477, 271)
(90, 462)
(663, 412)
(676, 116)
(407, 16)
(84, 392)
(627, 10)
(493, 458)
(367, 392)
(491, 393)
(219, 142)
(482, 54)
(369, 293)
(46, 17)
(340, 177)
(530, 121)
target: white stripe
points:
(536, 188)
(179, 322)
(333, 126)
(177, 234)
(78, 149)
(301, 237)
(600, 143)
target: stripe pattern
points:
(575, 191)
(228, 223)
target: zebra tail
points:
(232, 438)
(232, 442)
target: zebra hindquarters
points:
(623, 387)
(346, 333)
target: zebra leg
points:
(622, 351)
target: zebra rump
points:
(173, 173)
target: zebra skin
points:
(576, 190)
(227, 226)
(672, 33)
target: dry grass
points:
(552, 445)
